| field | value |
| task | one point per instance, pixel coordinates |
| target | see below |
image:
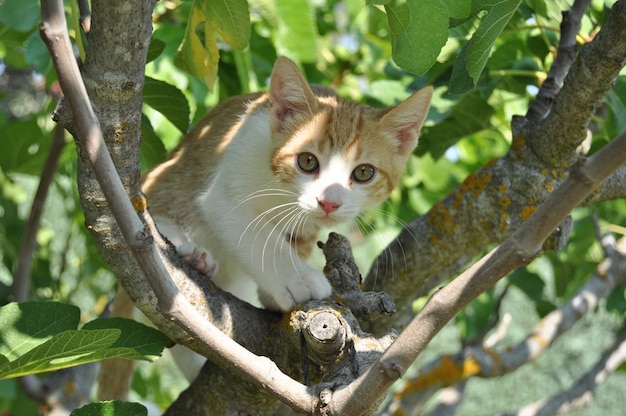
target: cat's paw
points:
(200, 258)
(309, 284)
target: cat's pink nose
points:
(328, 206)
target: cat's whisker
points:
(268, 192)
(284, 232)
(300, 224)
(387, 252)
(254, 241)
(259, 218)
(285, 217)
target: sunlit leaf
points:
(231, 19)
(418, 31)
(199, 51)
(471, 61)
(296, 35)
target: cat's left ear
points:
(289, 94)
(406, 119)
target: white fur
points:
(249, 215)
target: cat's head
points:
(340, 157)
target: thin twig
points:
(85, 15)
(21, 277)
(566, 54)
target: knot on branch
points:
(560, 236)
(332, 339)
(344, 276)
(335, 350)
(324, 334)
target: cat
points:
(253, 183)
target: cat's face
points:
(339, 162)
(336, 157)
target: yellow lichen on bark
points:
(527, 211)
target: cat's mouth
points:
(330, 219)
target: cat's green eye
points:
(308, 163)
(363, 173)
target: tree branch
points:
(566, 54)
(519, 249)
(593, 74)
(483, 361)
(21, 277)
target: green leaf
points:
(473, 59)
(530, 283)
(167, 100)
(29, 324)
(460, 80)
(36, 338)
(471, 115)
(157, 46)
(296, 34)
(490, 28)
(474, 319)
(144, 342)
(152, 151)
(112, 408)
(21, 15)
(199, 51)
(458, 9)
(37, 54)
(418, 30)
(67, 349)
(616, 99)
(231, 19)
(24, 146)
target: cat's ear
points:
(289, 95)
(406, 119)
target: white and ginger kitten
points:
(252, 184)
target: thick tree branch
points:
(589, 79)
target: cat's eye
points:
(308, 163)
(363, 173)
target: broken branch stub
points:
(344, 276)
